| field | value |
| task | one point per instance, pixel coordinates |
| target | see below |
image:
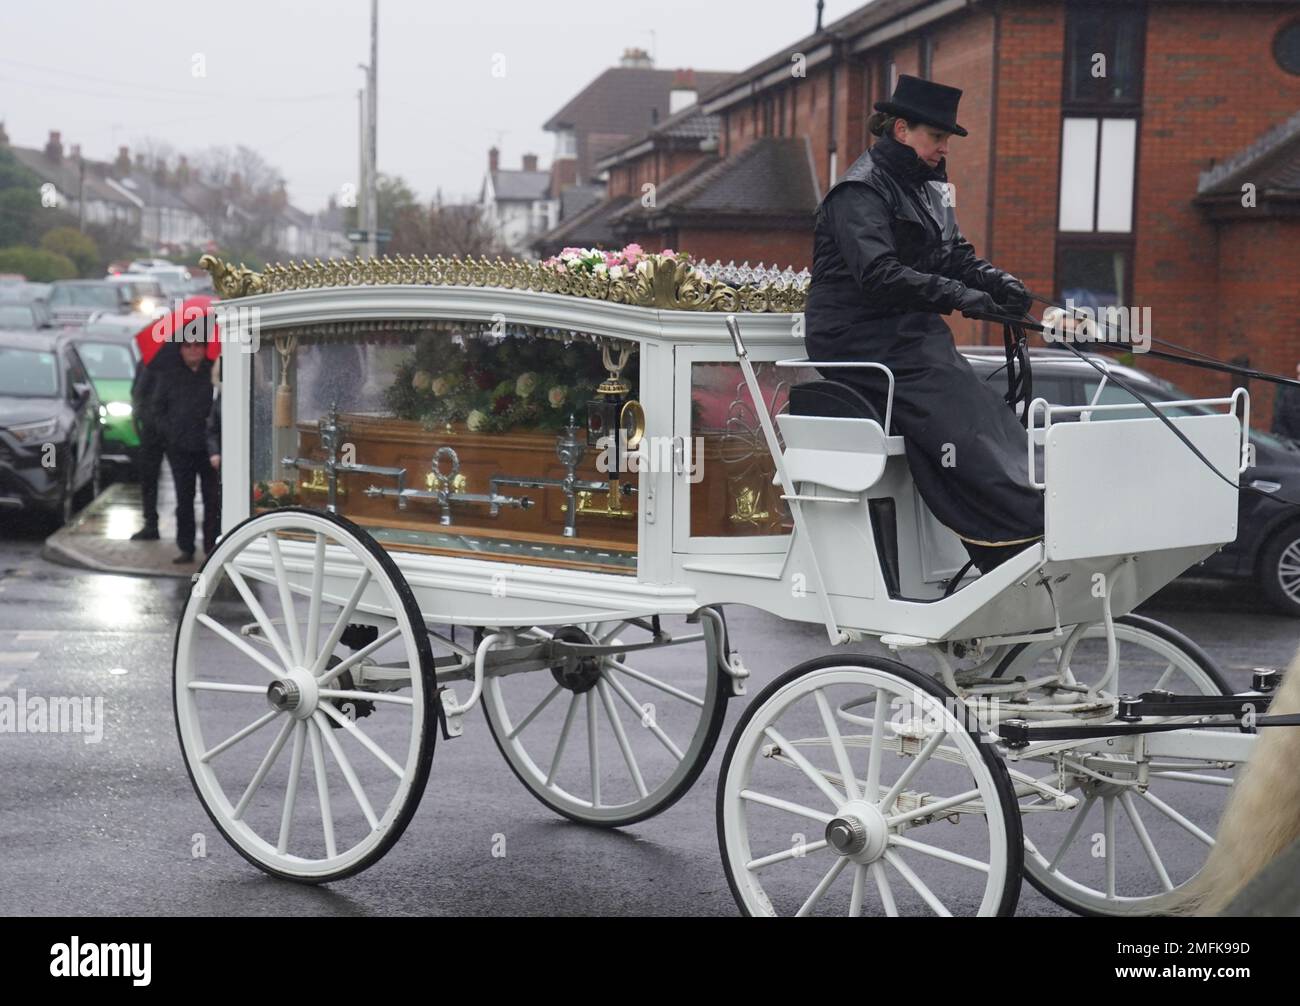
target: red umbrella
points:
(190, 322)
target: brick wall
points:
(1212, 86)
(1258, 306)
(1026, 180)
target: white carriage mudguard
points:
(1129, 485)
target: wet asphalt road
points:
(109, 828)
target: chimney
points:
(182, 170)
(636, 59)
(494, 159)
(530, 162)
(684, 91)
(236, 182)
(75, 152)
(123, 163)
(139, 161)
(54, 146)
(4, 137)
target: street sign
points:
(381, 235)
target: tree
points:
(395, 198)
(38, 265)
(70, 242)
(22, 217)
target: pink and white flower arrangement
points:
(615, 264)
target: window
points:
(1093, 275)
(107, 361)
(1098, 157)
(27, 373)
(1286, 48)
(1104, 44)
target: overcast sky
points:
(282, 77)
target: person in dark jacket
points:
(150, 457)
(181, 407)
(1286, 409)
(888, 261)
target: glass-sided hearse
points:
(534, 485)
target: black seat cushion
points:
(832, 399)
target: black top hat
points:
(918, 100)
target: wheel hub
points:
(577, 674)
(296, 693)
(858, 832)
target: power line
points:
(155, 88)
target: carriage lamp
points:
(613, 412)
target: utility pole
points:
(81, 193)
(372, 194)
(363, 153)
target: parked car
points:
(22, 314)
(73, 301)
(1267, 549)
(147, 296)
(49, 425)
(26, 292)
(111, 366)
(174, 279)
(119, 328)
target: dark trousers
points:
(149, 464)
(186, 467)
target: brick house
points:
(613, 110)
(1079, 175)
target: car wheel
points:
(1279, 570)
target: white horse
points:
(1262, 816)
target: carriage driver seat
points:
(837, 400)
(832, 399)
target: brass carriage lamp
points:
(614, 413)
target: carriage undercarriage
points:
(925, 782)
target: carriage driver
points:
(888, 260)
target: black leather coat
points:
(888, 260)
(886, 242)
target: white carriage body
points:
(736, 501)
(1128, 505)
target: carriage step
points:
(449, 713)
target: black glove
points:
(1012, 295)
(973, 303)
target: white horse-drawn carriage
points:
(454, 483)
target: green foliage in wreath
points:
(494, 384)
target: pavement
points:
(99, 536)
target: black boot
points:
(147, 533)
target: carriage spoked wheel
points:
(1128, 843)
(304, 695)
(853, 786)
(615, 739)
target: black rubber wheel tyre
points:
(997, 768)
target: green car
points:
(111, 366)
